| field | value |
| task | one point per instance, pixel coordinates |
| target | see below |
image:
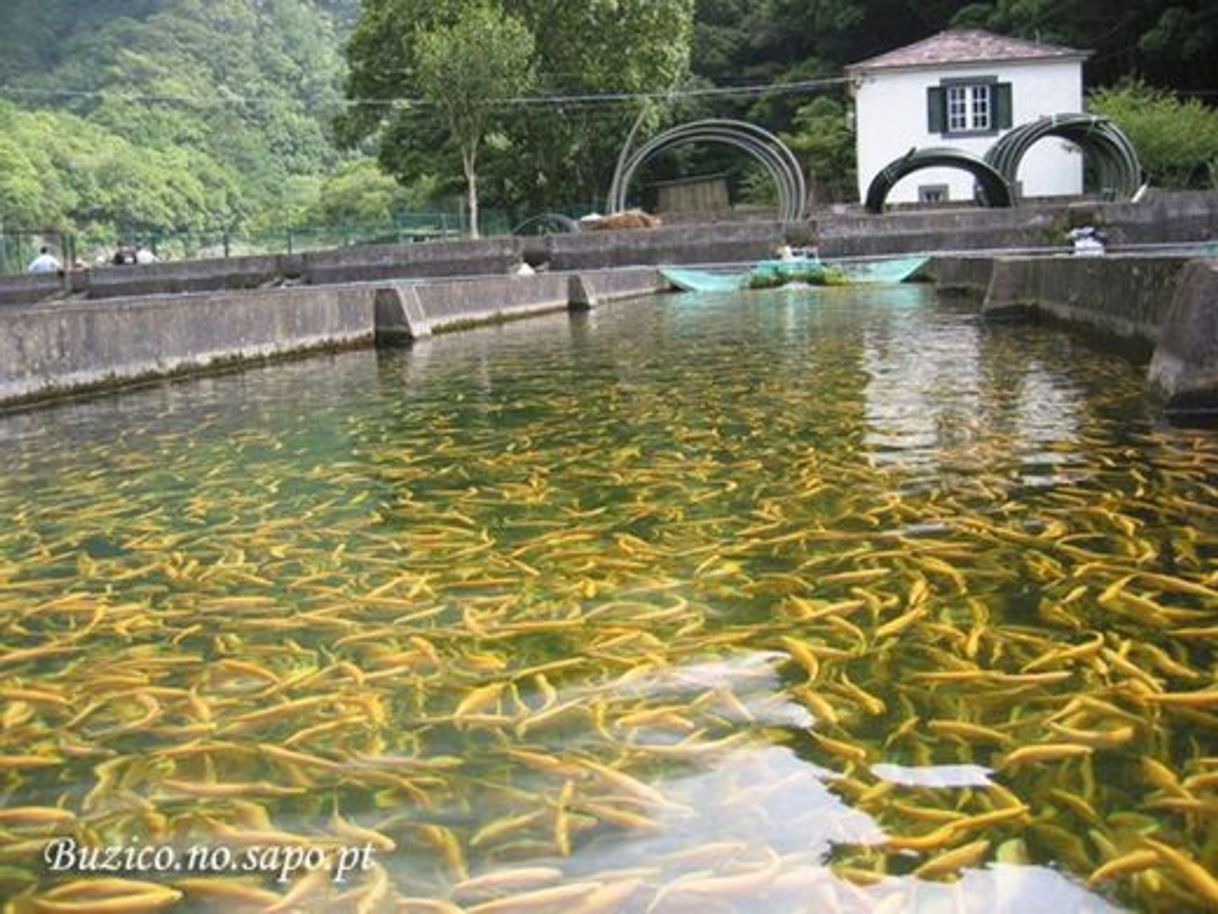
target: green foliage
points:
(22, 199)
(173, 114)
(359, 193)
(70, 174)
(1172, 44)
(1177, 141)
(822, 137)
(124, 116)
(466, 71)
(551, 156)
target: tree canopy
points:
(174, 115)
(554, 154)
(120, 117)
(467, 71)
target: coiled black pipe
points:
(777, 159)
(992, 187)
(1116, 160)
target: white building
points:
(964, 88)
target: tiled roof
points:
(958, 46)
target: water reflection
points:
(707, 603)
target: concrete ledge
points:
(719, 243)
(425, 260)
(26, 290)
(47, 350)
(463, 303)
(1167, 305)
(588, 290)
(56, 348)
(189, 276)
(1184, 369)
(1166, 218)
(964, 275)
(409, 311)
(1124, 296)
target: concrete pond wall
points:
(1175, 217)
(1166, 304)
(56, 348)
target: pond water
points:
(804, 600)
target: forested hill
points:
(124, 118)
(179, 114)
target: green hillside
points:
(182, 115)
(122, 119)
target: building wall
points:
(891, 118)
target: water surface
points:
(804, 600)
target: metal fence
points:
(95, 247)
(18, 247)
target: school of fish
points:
(555, 621)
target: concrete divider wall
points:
(409, 311)
(718, 243)
(429, 259)
(591, 288)
(24, 290)
(186, 276)
(1185, 364)
(1165, 218)
(1122, 296)
(947, 230)
(54, 348)
(344, 265)
(1168, 304)
(969, 275)
(50, 349)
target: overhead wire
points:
(575, 99)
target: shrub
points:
(1177, 141)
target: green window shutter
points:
(936, 110)
(1002, 105)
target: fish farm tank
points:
(797, 600)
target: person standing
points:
(45, 262)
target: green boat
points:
(769, 274)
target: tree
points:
(197, 113)
(824, 142)
(466, 71)
(359, 193)
(553, 155)
(1170, 43)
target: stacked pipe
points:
(778, 161)
(1116, 161)
(993, 188)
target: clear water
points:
(804, 600)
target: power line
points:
(586, 99)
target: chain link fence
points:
(94, 248)
(100, 247)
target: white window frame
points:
(969, 107)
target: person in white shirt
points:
(45, 262)
(144, 255)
